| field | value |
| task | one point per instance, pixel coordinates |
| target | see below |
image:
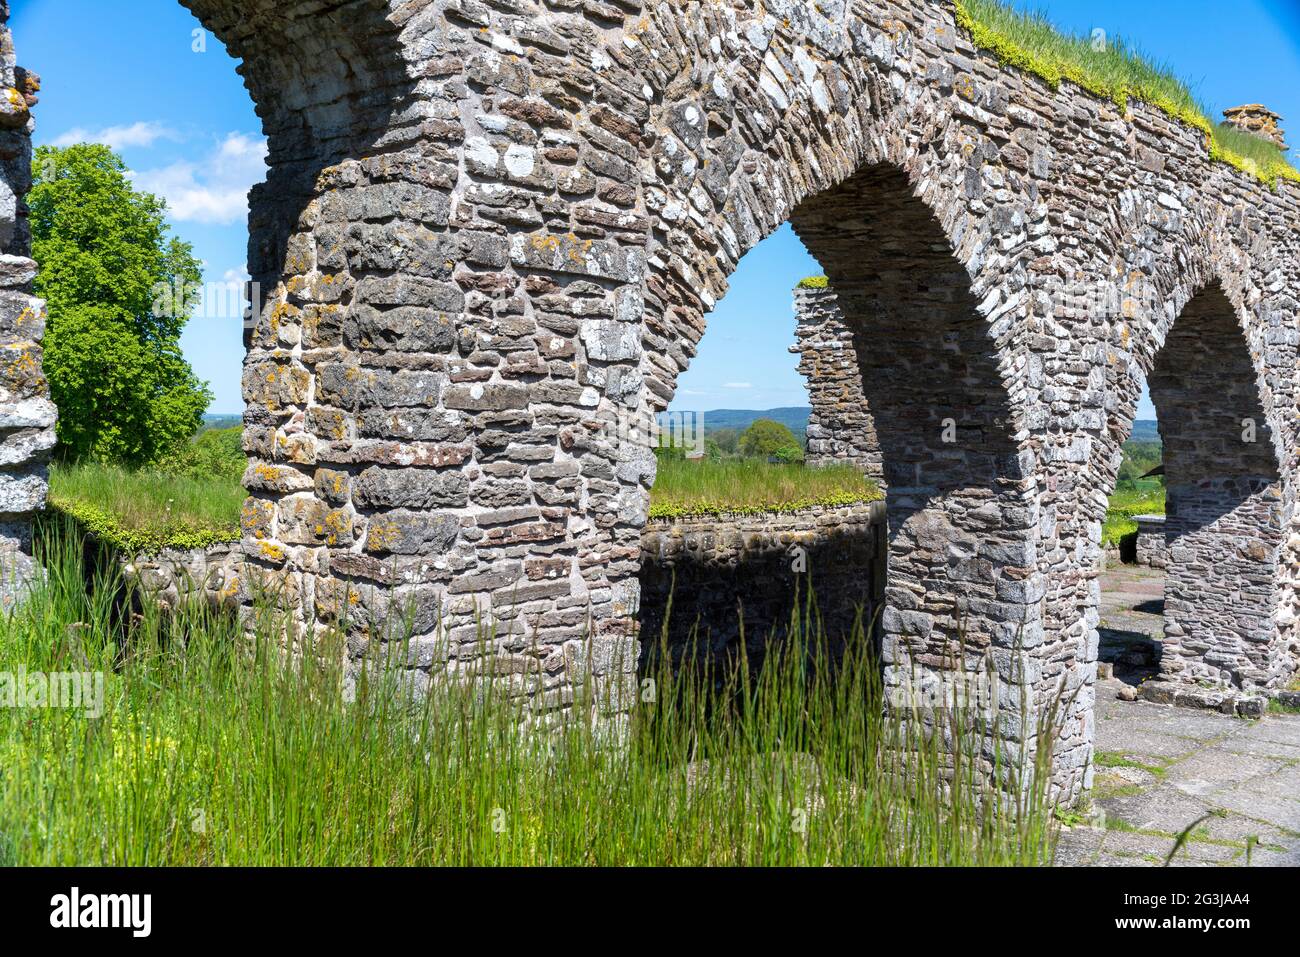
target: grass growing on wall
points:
(1113, 70)
(139, 511)
(204, 755)
(747, 486)
(1139, 497)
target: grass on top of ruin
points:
(206, 748)
(147, 510)
(748, 486)
(1110, 67)
(191, 507)
(190, 500)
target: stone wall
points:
(492, 233)
(840, 428)
(175, 575)
(1151, 550)
(721, 570)
(27, 415)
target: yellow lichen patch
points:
(272, 551)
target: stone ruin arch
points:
(490, 237)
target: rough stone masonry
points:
(491, 234)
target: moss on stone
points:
(149, 540)
(813, 282)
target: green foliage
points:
(768, 437)
(1139, 459)
(1113, 70)
(797, 765)
(727, 441)
(750, 487)
(148, 510)
(119, 291)
(213, 453)
(1140, 497)
(813, 282)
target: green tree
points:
(767, 437)
(728, 441)
(120, 290)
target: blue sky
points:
(126, 72)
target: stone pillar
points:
(840, 428)
(1224, 516)
(27, 415)
(1260, 121)
(964, 594)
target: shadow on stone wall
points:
(717, 587)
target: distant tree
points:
(767, 437)
(789, 454)
(1139, 457)
(727, 441)
(119, 290)
(216, 452)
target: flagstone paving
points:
(1161, 770)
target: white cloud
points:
(215, 191)
(738, 385)
(118, 137)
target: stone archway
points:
(962, 612)
(1224, 525)
(490, 238)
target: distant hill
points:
(214, 421)
(1145, 430)
(795, 418)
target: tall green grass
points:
(213, 750)
(143, 510)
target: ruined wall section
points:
(492, 233)
(841, 428)
(27, 416)
(708, 579)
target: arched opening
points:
(754, 532)
(963, 597)
(1223, 528)
(906, 387)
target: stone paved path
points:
(1160, 769)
